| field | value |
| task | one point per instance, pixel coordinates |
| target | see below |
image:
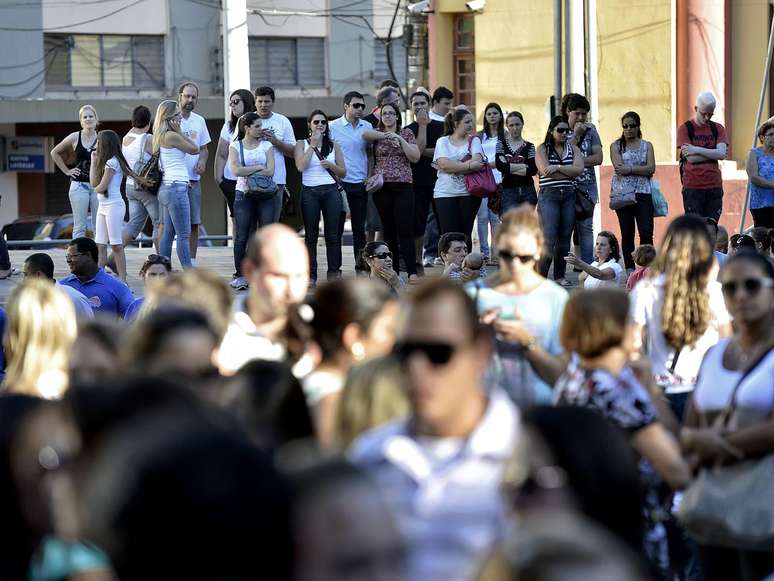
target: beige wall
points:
(514, 60)
(148, 17)
(635, 71)
(750, 31)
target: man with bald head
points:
(277, 270)
(701, 144)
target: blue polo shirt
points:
(353, 146)
(106, 294)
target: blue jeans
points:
(325, 200)
(432, 235)
(486, 220)
(513, 197)
(176, 218)
(556, 206)
(82, 197)
(250, 214)
(585, 228)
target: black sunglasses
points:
(438, 353)
(508, 257)
(382, 255)
(157, 259)
(319, 122)
(358, 105)
(752, 286)
(630, 126)
(235, 102)
(561, 129)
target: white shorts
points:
(110, 223)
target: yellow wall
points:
(749, 33)
(514, 60)
(635, 71)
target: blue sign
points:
(26, 162)
(29, 154)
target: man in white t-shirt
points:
(194, 127)
(278, 131)
(440, 468)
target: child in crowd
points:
(643, 256)
(473, 261)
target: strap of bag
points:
(320, 157)
(731, 406)
(242, 153)
(674, 360)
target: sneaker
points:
(239, 283)
(428, 262)
(564, 282)
(438, 262)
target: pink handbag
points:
(480, 183)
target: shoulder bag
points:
(149, 172)
(479, 183)
(257, 187)
(732, 506)
(660, 205)
(336, 180)
(584, 204)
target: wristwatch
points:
(530, 344)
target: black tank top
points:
(83, 159)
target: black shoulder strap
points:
(675, 357)
(241, 152)
(714, 130)
(691, 130)
(731, 407)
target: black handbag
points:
(584, 204)
(150, 175)
(258, 187)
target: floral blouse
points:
(390, 161)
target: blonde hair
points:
(686, 259)
(41, 331)
(164, 112)
(372, 395)
(88, 108)
(522, 219)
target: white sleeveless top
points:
(134, 150)
(315, 174)
(173, 165)
(254, 156)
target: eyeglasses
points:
(630, 126)
(508, 257)
(561, 129)
(357, 105)
(74, 254)
(235, 102)
(438, 353)
(382, 255)
(752, 286)
(319, 122)
(157, 259)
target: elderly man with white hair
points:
(701, 144)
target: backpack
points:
(691, 135)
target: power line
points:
(63, 26)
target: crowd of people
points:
(484, 424)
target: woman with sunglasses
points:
(747, 282)
(154, 271)
(678, 312)
(559, 163)
(174, 203)
(240, 102)
(634, 163)
(394, 151)
(525, 310)
(376, 258)
(321, 163)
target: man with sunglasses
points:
(440, 468)
(106, 294)
(701, 144)
(348, 131)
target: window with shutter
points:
(287, 62)
(399, 61)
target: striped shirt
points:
(445, 493)
(554, 159)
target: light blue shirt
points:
(353, 146)
(106, 294)
(83, 309)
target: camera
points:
(419, 7)
(475, 5)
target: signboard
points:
(29, 154)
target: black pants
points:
(228, 187)
(395, 202)
(457, 214)
(5, 260)
(640, 213)
(357, 197)
(706, 202)
(722, 564)
(423, 199)
(763, 217)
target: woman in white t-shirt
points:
(247, 155)
(606, 269)
(679, 312)
(108, 167)
(456, 208)
(747, 280)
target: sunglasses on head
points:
(437, 353)
(561, 129)
(157, 259)
(382, 255)
(509, 257)
(358, 105)
(752, 286)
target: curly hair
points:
(686, 260)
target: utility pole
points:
(236, 55)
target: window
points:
(399, 62)
(464, 61)
(287, 62)
(76, 61)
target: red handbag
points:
(480, 183)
